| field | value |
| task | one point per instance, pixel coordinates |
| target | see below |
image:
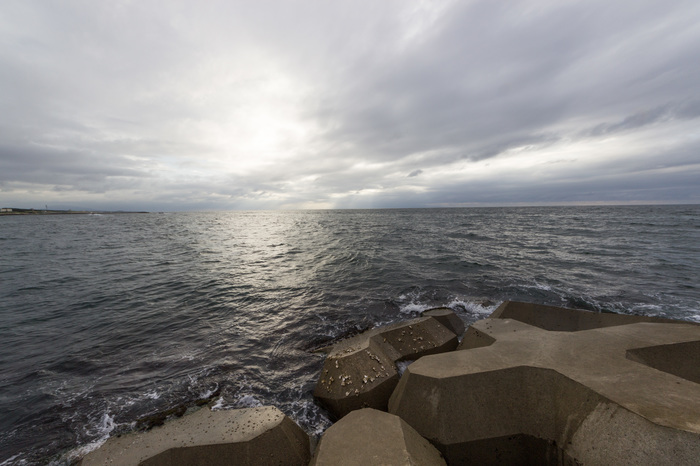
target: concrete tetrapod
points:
(446, 317)
(562, 319)
(255, 436)
(361, 371)
(367, 437)
(622, 394)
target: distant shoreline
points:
(13, 211)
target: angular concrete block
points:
(357, 376)
(256, 436)
(446, 317)
(368, 437)
(416, 338)
(556, 319)
(361, 372)
(475, 339)
(561, 319)
(597, 391)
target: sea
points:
(107, 319)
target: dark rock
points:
(159, 418)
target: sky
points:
(236, 105)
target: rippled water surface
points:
(108, 318)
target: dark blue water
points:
(107, 318)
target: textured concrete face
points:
(681, 359)
(416, 338)
(367, 437)
(355, 377)
(257, 436)
(612, 394)
(561, 319)
(361, 372)
(446, 317)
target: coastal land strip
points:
(15, 211)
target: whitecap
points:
(219, 404)
(248, 401)
(413, 308)
(474, 307)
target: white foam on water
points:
(104, 427)
(11, 461)
(305, 412)
(413, 308)
(308, 415)
(473, 307)
(409, 302)
(218, 405)
(689, 314)
(248, 401)
(81, 451)
(209, 393)
(402, 365)
(537, 286)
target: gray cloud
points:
(293, 104)
(686, 110)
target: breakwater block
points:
(446, 317)
(361, 372)
(560, 386)
(368, 436)
(255, 436)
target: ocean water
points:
(105, 319)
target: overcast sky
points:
(174, 105)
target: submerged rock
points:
(158, 419)
(361, 371)
(324, 344)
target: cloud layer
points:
(306, 104)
